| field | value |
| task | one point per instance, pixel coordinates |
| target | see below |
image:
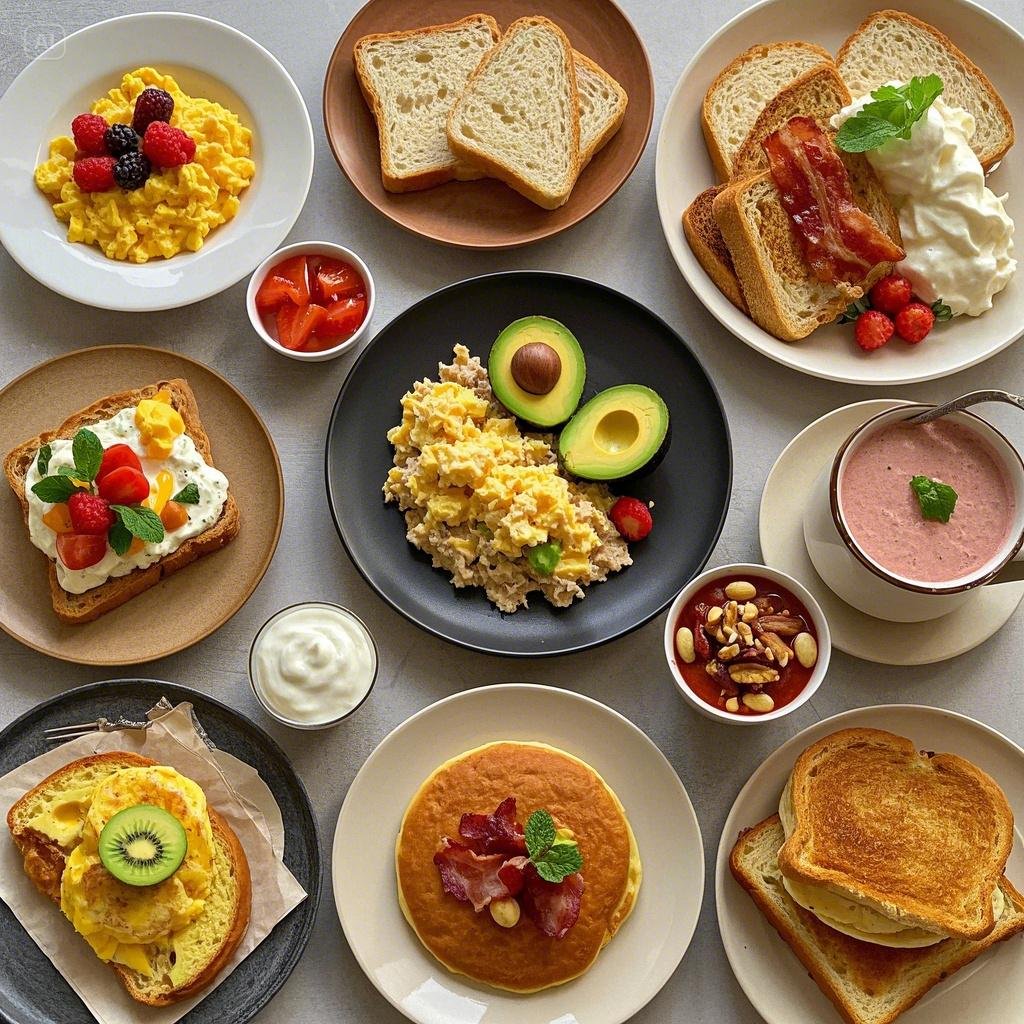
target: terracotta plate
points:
(486, 214)
(193, 602)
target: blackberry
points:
(151, 105)
(121, 139)
(131, 170)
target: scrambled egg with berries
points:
(178, 206)
(490, 505)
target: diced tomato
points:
(335, 279)
(124, 486)
(343, 319)
(295, 324)
(286, 283)
(116, 456)
(80, 550)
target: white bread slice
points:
(410, 81)
(867, 983)
(743, 89)
(893, 46)
(602, 105)
(518, 118)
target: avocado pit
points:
(536, 368)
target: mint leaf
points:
(561, 860)
(120, 538)
(141, 522)
(188, 495)
(937, 500)
(54, 489)
(87, 451)
(43, 461)
(539, 834)
(891, 114)
(72, 472)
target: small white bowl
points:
(338, 252)
(738, 571)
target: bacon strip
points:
(494, 833)
(476, 879)
(554, 907)
(839, 240)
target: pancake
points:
(519, 959)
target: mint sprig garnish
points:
(140, 522)
(937, 500)
(188, 495)
(120, 538)
(87, 452)
(554, 859)
(891, 114)
(54, 489)
(43, 460)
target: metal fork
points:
(61, 733)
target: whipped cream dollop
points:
(957, 235)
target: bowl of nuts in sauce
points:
(746, 644)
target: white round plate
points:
(207, 59)
(635, 964)
(683, 169)
(774, 981)
(780, 530)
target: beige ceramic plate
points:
(487, 214)
(192, 603)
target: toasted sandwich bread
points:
(921, 838)
(78, 608)
(410, 81)
(743, 89)
(708, 245)
(207, 944)
(518, 118)
(867, 983)
(602, 104)
(893, 46)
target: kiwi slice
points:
(142, 845)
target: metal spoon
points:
(963, 402)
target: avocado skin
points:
(560, 403)
(583, 458)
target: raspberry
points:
(121, 139)
(166, 146)
(913, 322)
(632, 518)
(873, 330)
(151, 105)
(890, 294)
(94, 173)
(88, 130)
(131, 170)
(89, 513)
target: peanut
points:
(806, 649)
(741, 590)
(759, 702)
(684, 645)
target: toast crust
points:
(615, 122)
(706, 241)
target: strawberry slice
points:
(287, 282)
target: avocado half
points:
(558, 403)
(618, 433)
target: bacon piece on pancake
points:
(495, 833)
(477, 879)
(552, 906)
(840, 242)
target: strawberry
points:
(89, 513)
(914, 322)
(80, 550)
(89, 131)
(890, 294)
(95, 173)
(873, 330)
(165, 146)
(632, 518)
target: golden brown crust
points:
(708, 245)
(620, 111)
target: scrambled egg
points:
(177, 207)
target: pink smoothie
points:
(883, 514)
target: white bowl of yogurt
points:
(311, 665)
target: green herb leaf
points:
(72, 472)
(545, 557)
(942, 311)
(188, 495)
(54, 489)
(937, 500)
(119, 538)
(561, 860)
(539, 833)
(43, 461)
(87, 452)
(854, 310)
(892, 114)
(141, 522)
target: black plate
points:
(31, 990)
(624, 343)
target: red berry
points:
(80, 550)
(151, 104)
(90, 513)
(166, 146)
(873, 330)
(114, 457)
(124, 486)
(632, 518)
(89, 130)
(913, 322)
(890, 294)
(94, 173)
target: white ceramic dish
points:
(683, 169)
(780, 529)
(260, 324)
(739, 571)
(207, 59)
(641, 957)
(770, 974)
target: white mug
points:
(860, 580)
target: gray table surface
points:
(621, 245)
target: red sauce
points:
(793, 677)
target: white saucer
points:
(635, 964)
(780, 530)
(774, 981)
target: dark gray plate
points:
(31, 990)
(624, 343)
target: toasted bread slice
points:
(207, 944)
(743, 89)
(78, 608)
(867, 983)
(602, 103)
(923, 839)
(708, 245)
(518, 118)
(893, 46)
